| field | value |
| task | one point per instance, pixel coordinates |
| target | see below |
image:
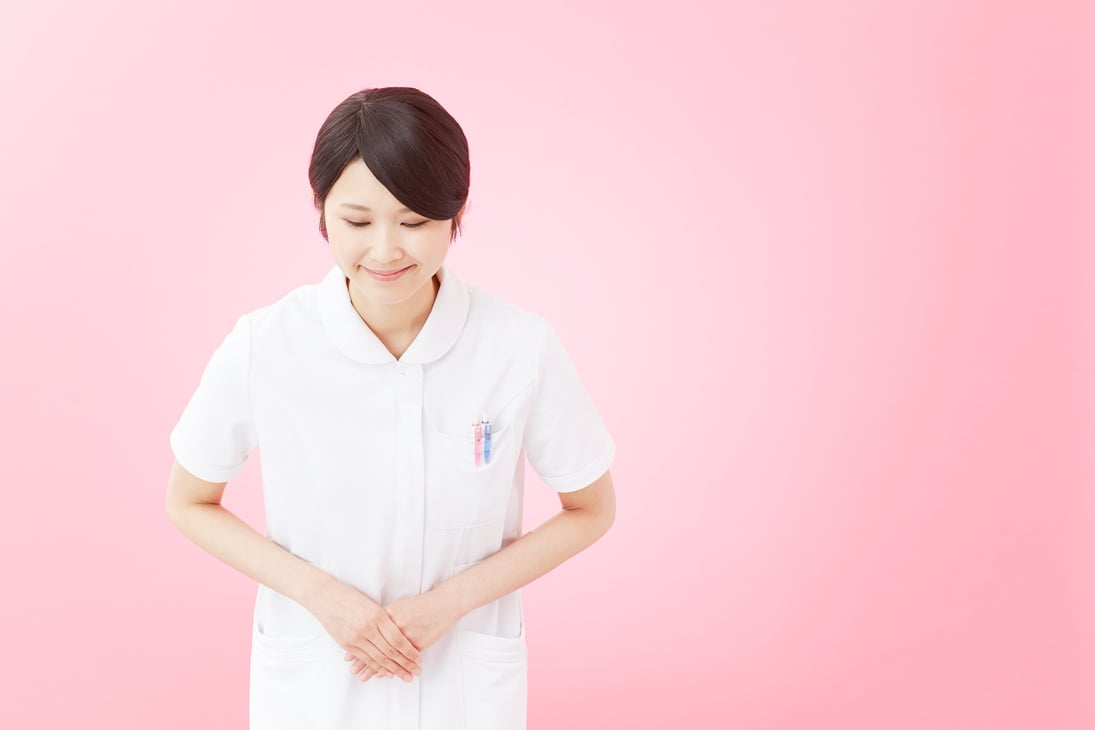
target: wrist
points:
(311, 584)
(451, 595)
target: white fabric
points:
(368, 473)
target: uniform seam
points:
(512, 398)
(488, 297)
(539, 357)
(250, 347)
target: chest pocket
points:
(461, 493)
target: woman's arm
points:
(194, 507)
(586, 515)
(352, 619)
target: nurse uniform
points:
(368, 472)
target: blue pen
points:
(486, 437)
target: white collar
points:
(354, 338)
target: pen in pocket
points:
(477, 442)
(488, 429)
(481, 438)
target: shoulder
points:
(489, 309)
(295, 308)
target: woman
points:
(393, 404)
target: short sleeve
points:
(566, 441)
(216, 431)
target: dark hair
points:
(407, 140)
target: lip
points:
(388, 275)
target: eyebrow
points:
(370, 210)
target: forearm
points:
(228, 538)
(525, 559)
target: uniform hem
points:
(209, 473)
(585, 476)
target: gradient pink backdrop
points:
(827, 269)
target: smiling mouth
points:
(393, 271)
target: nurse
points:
(394, 406)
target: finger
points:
(364, 671)
(408, 654)
(395, 662)
(358, 665)
(399, 664)
(385, 658)
(372, 656)
(400, 641)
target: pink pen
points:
(477, 432)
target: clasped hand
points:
(384, 640)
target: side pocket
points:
(286, 680)
(286, 649)
(494, 673)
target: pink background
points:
(827, 269)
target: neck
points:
(397, 321)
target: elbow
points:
(608, 520)
(608, 512)
(172, 504)
(604, 518)
(605, 515)
(173, 511)
(177, 507)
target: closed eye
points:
(355, 224)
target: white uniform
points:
(369, 473)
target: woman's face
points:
(384, 238)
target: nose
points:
(385, 251)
